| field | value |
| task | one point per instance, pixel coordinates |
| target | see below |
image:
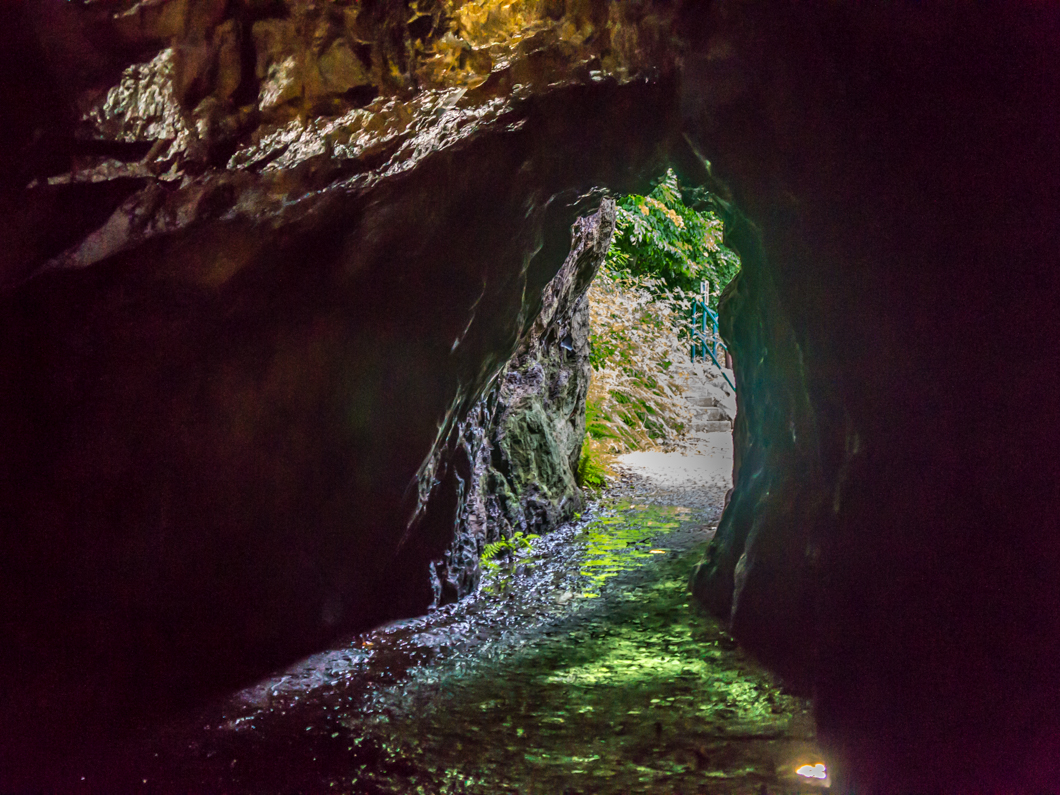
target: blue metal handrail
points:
(703, 346)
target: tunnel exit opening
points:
(661, 373)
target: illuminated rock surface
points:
(511, 467)
(238, 241)
(222, 404)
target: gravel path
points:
(697, 476)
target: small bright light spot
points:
(659, 551)
(813, 771)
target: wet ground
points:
(580, 667)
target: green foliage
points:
(592, 471)
(659, 236)
(640, 304)
(597, 427)
(505, 549)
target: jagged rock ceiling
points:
(258, 257)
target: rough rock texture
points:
(759, 571)
(261, 258)
(231, 365)
(892, 540)
(512, 462)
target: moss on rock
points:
(523, 440)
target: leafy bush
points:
(660, 237)
(592, 466)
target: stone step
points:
(700, 394)
(702, 401)
(711, 414)
(716, 426)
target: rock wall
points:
(759, 572)
(260, 259)
(891, 545)
(511, 465)
(237, 329)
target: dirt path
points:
(581, 667)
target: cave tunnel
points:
(245, 314)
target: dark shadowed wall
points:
(259, 260)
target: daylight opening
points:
(661, 374)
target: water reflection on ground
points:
(579, 667)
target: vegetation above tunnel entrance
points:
(664, 252)
(663, 236)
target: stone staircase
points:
(710, 400)
(710, 418)
(712, 403)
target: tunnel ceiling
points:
(258, 258)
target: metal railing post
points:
(703, 315)
(692, 336)
(700, 345)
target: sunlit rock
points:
(229, 385)
(512, 466)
